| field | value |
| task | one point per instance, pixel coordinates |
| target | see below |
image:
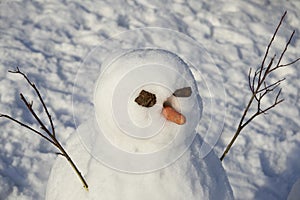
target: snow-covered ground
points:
(50, 39)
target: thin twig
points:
(271, 87)
(58, 153)
(259, 87)
(29, 107)
(39, 95)
(28, 127)
(270, 43)
(285, 49)
(51, 134)
(249, 81)
(290, 63)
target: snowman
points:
(141, 139)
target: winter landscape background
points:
(50, 39)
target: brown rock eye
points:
(146, 99)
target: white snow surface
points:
(157, 71)
(187, 178)
(160, 161)
(50, 39)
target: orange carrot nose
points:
(172, 115)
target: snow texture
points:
(162, 158)
(50, 39)
(188, 178)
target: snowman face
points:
(147, 127)
(148, 99)
(148, 58)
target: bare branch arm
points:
(271, 87)
(290, 63)
(283, 52)
(270, 43)
(53, 140)
(17, 71)
(28, 127)
(259, 87)
(29, 107)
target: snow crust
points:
(50, 39)
(181, 180)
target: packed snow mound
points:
(159, 61)
(131, 133)
(188, 178)
(133, 152)
(50, 39)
